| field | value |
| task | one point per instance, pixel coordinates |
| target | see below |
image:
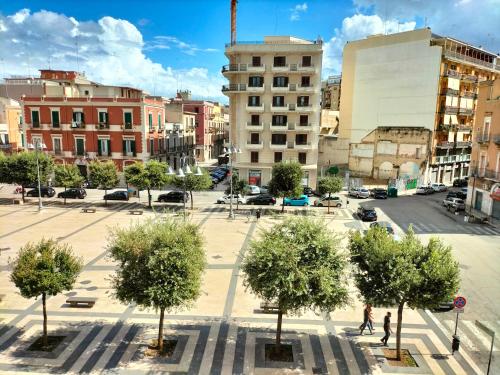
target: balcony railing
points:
(466, 111)
(482, 138)
(452, 73)
(103, 125)
(496, 139)
(463, 144)
(451, 159)
(234, 87)
(459, 56)
(255, 127)
(278, 127)
(468, 94)
(36, 124)
(77, 124)
(278, 146)
(468, 77)
(235, 68)
(448, 91)
(449, 110)
(445, 144)
(485, 173)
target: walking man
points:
(366, 319)
(387, 329)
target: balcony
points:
(306, 68)
(463, 144)
(255, 88)
(466, 112)
(452, 73)
(242, 68)
(127, 126)
(445, 144)
(255, 145)
(449, 110)
(103, 125)
(254, 127)
(77, 124)
(448, 91)
(234, 87)
(277, 146)
(280, 68)
(496, 139)
(279, 108)
(305, 88)
(302, 146)
(448, 159)
(255, 108)
(303, 127)
(461, 57)
(489, 174)
(304, 108)
(281, 89)
(278, 127)
(468, 78)
(468, 94)
(36, 124)
(483, 138)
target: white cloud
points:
(166, 42)
(296, 10)
(110, 51)
(354, 28)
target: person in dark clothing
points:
(366, 320)
(258, 213)
(387, 329)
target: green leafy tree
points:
(151, 175)
(22, 168)
(68, 176)
(298, 265)
(45, 268)
(239, 187)
(4, 168)
(286, 180)
(103, 175)
(330, 185)
(160, 265)
(193, 183)
(388, 272)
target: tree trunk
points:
(278, 331)
(105, 193)
(191, 196)
(398, 330)
(283, 206)
(65, 195)
(160, 330)
(44, 339)
(329, 195)
(149, 198)
(22, 192)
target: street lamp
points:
(231, 150)
(38, 146)
(183, 172)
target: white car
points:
(237, 198)
(359, 192)
(438, 187)
(253, 190)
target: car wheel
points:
(339, 205)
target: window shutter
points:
(128, 118)
(99, 147)
(124, 147)
(74, 116)
(132, 146)
(108, 141)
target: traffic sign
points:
(460, 302)
(458, 310)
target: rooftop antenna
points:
(233, 21)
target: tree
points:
(193, 183)
(103, 175)
(160, 265)
(68, 176)
(330, 185)
(151, 175)
(298, 265)
(239, 187)
(45, 268)
(394, 273)
(22, 168)
(286, 180)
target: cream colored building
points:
(330, 93)
(413, 79)
(11, 138)
(332, 150)
(275, 93)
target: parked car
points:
(119, 195)
(73, 193)
(334, 200)
(262, 199)
(447, 305)
(425, 190)
(456, 194)
(236, 198)
(456, 204)
(367, 214)
(383, 224)
(309, 191)
(174, 196)
(253, 190)
(303, 200)
(264, 189)
(44, 190)
(460, 182)
(378, 193)
(438, 187)
(359, 192)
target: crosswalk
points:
(477, 229)
(472, 336)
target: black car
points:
(173, 196)
(262, 199)
(460, 182)
(457, 194)
(367, 214)
(378, 193)
(73, 193)
(310, 192)
(119, 195)
(45, 192)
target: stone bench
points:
(75, 301)
(135, 212)
(89, 210)
(269, 307)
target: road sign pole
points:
(491, 352)
(456, 325)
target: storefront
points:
(254, 177)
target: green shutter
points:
(55, 119)
(108, 141)
(132, 146)
(102, 117)
(124, 147)
(35, 118)
(151, 146)
(159, 119)
(79, 147)
(99, 147)
(150, 121)
(128, 119)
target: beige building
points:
(179, 138)
(484, 184)
(11, 135)
(330, 93)
(413, 79)
(274, 94)
(332, 150)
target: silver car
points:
(359, 192)
(456, 204)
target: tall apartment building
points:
(79, 120)
(330, 93)
(414, 79)
(483, 193)
(274, 93)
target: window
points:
(486, 128)
(254, 101)
(254, 138)
(150, 121)
(280, 81)
(103, 119)
(306, 61)
(278, 101)
(55, 119)
(279, 120)
(305, 81)
(304, 120)
(418, 153)
(302, 157)
(301, 139)
(279, 61)
(36, 140)
(256, 61)
(127, 120)
(302, 101)
(151, 146)
(35, 118)
(103, 147)
(255, 81)
(255, 120)
(86, 92)
(78, 119)
(56, 143)
(196, 110)
(278, 157)
(278, 139)
(80, 146)
(254, 157)
(129, 147)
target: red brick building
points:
(79, 120)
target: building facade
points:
(11, 136)
(330, 93)
(275, 94)
(483, 193)
(180, 140)
(79, 120)
(413, 79)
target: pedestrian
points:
(387, 329)
(366, 320)
(258, 213)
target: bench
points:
(75, 301)
(135, 212)
(88, 210)
(17, 201)
(2, 296)
(269, 307)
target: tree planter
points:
(52, 343)
(407, 359)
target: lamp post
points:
(38, 146)
(231, 150)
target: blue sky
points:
(167, 45)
